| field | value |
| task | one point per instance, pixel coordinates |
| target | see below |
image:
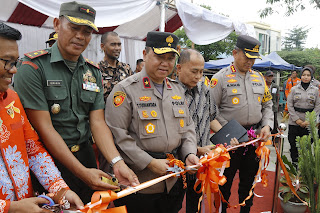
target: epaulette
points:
(130, 80)
(36, 54)
(92, 63)
(171, 79)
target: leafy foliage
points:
(291, 6)
(309, 160)
(300, 187)
(296, 38)
(302, 58)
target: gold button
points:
(75, 148)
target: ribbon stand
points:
(282, 127)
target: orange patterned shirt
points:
(21, 151)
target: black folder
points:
(231, 130)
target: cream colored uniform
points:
(142, 120)
(245, 98)
(303, 99)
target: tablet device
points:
(231, 130)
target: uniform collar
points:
(56, 55)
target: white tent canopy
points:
(131, 19)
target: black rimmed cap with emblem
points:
(249, 45)
(79, 14)
(52, 37)
(162, 42)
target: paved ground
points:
(286, 149)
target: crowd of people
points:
(135, 118)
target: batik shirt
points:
(112, 76)
(202, 109)
(21, 151)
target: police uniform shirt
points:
(142, 120)
(44, 82)
(303, 99)
(245, 98)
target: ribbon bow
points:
(208, 175)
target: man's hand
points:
(124, 174)
(74, 199)
(158, 166)
(304, 124)
(203, 150)
(29, 205)
(93, 180)
(265, 133)
(192, 160)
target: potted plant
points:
(289, 202)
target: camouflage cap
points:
(79, 14)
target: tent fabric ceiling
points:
(133, 19)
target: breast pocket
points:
(87, 99)
(258, 93)
(296, 98)
(57, 100)
(311, 100)
(148, 123)
(180, 115)
(234, 95)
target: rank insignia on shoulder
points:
(36, 54)
(256, 80)
(182, 123)
(214, 82)
(118, 98)
(168, 83)
(232, 81)
(150, 128)
(233, 69)
(255, 76)
(231, 76)
(92, 63)
(146, 83)
(176, 97)
(145, 98)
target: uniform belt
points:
(77, 147)
(253, 126)
(302, 110)
(162, 155)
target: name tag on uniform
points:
(91, 87)
(54, 83)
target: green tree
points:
(296, 38)
(291, 6)
(210, 51)
(302, 58)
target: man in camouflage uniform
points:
(113, 71)
(243, 95)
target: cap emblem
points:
(169, 40)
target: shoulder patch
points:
(92, 63)
(31, 64)
(36, 54)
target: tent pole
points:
(162, 16)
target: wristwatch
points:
(115, 160)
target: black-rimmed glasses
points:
(9, 64)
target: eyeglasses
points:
(9, 64)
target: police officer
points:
(63, 97)
(241, 94)
(148, 117)
(304, 97)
